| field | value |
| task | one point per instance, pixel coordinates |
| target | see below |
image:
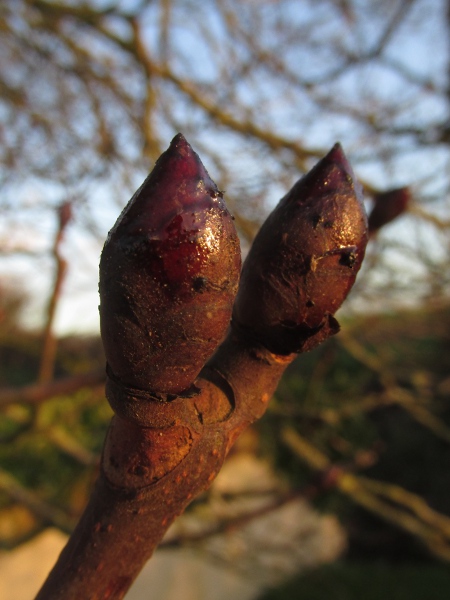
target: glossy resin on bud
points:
(304, 260)
(169, 272)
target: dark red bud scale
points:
(169, 272)
(304, 260)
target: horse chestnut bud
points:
(169, 273)
(304, 260)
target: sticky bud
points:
(169, 272)
(304, 260)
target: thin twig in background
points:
(36, 393)
(48, 355)
(427, 525)
(50, 514)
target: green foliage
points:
(51, 449)
(374, 400)
(350, 581)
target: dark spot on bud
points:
(199, 284)
(317, 220)
(348, 258)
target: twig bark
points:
(147, 481)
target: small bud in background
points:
(387, 206)
(65, 214)
(169, 273)
(304, 260)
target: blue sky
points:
(421, 47)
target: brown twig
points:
(37, 393)
(48, 355)
(168, 274)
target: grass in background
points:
(353, 581)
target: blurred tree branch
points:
(49, 514)
(49, 340)
(40, 392)
(384, 500)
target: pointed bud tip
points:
(180, 161)
(180, 143)
(181, 149)
(337, 156)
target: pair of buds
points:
(170, 271)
